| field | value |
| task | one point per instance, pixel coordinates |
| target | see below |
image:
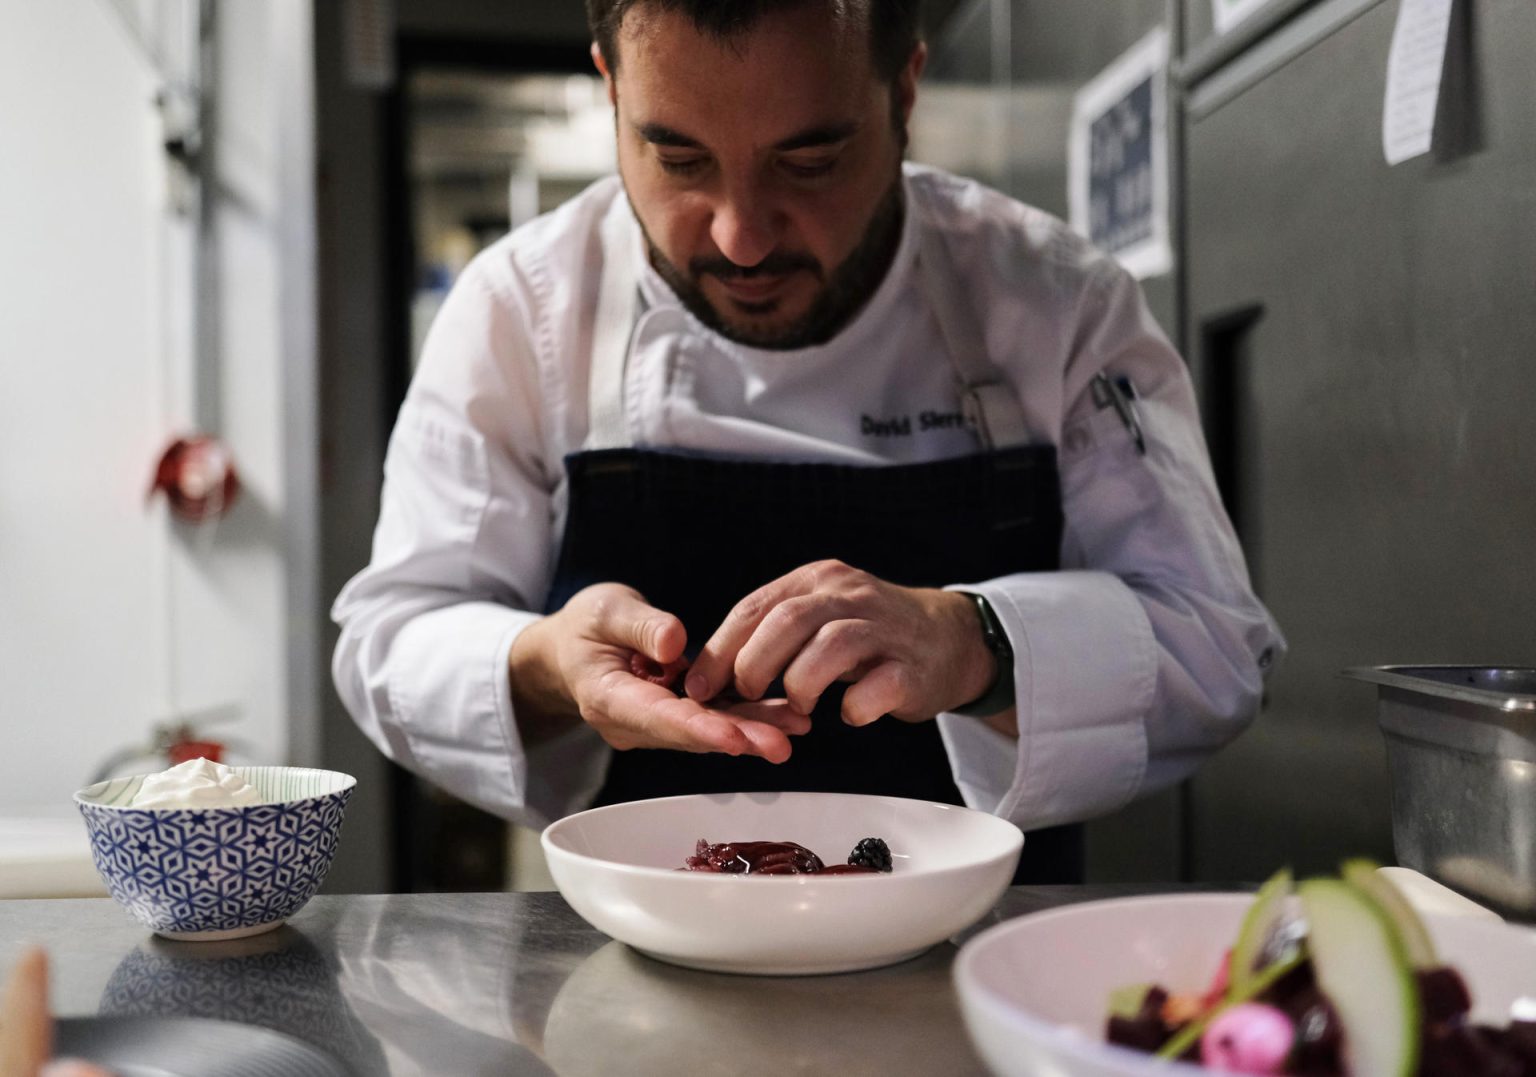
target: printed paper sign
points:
(1117, 159)
(1414, 66)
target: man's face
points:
(764, 169)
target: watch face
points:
(991, 630)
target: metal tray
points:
(1461, 751)
(1509, 689)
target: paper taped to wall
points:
(1414, 66)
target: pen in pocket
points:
(1120, 394)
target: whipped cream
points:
(197, 783)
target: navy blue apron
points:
(634, 516)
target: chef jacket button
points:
(1077, 440)
(1267, 658)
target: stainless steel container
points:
(1461, 750)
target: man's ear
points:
(906, 82)
(602, 69)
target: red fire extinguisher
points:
(198, 477)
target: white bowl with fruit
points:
(1387, 987)
(636, 872)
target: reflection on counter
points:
(665, 1020)
(455, 983)
(279, 980)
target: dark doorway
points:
(480, 138)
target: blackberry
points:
(871, 853)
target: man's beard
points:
(844, 292)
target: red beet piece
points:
(754, 858)
(1443, 993)
(648, 669)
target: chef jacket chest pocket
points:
(1119, 432)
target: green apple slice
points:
(1263, 917)
(1362, 966)
(1421, 948)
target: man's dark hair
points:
(893, 24)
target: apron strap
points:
(618, 297)
(989, 403)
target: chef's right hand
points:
(575, 665)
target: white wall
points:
(113, 616)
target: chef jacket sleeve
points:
(460, 564)
(1148, 651)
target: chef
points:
(901, 468)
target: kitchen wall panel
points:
(115, 617)
(1366, 334)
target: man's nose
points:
(744, 227)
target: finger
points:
(644, 715)
(841, 650)
(885, 689)
(767, 742)
(794, 626)
(634, 713)
(623, 617)
(714, 668)
(778, 713)
(26, 1029)
(704, 728)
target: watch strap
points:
(999, 697)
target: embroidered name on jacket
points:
(901, 426)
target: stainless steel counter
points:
(449, 984)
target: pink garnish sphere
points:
(1249, 1038)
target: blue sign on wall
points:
(1117, 159)
(1120, 207)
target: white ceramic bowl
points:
(218, 873)
(619, 868)
(1034, 991)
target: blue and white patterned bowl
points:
(218, 873)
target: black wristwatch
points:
(999, 697)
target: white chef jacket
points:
(1145, 653)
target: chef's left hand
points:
(910, 652)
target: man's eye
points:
(809, 167)
(682, 166)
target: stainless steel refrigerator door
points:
(1364, 337)
(1205, 45)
